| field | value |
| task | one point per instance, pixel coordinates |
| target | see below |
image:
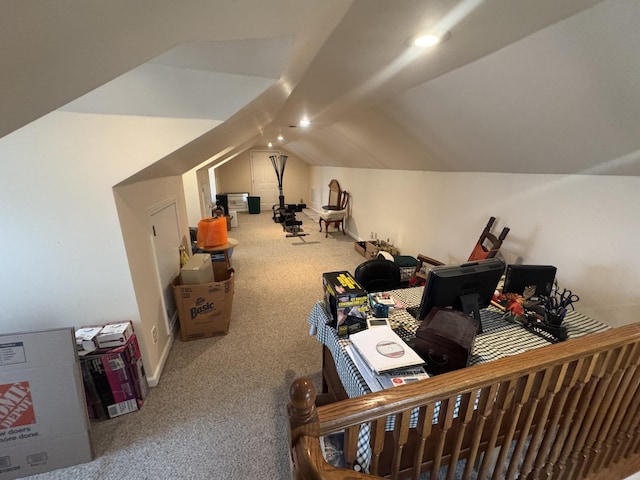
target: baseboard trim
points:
(154, 379)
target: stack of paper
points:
(383, 350)
(389, 379)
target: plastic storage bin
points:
(254, 204)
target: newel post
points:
(303, 418)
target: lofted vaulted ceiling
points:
(536, 86)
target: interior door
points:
(265, 182)
(166, 243)
(205, 200)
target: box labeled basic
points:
(197, 270)
(204, 310)
(43, 420)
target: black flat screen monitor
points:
(518, 277)
(467, 287)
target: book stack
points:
(384, 359)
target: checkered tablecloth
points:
(500, 338)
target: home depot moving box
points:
(204, 310)
(43, 419)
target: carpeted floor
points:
(219, 409)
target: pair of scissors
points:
(567, 298)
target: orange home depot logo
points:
(16, 406)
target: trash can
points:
(254, 204)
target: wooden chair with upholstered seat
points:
(486, 247)
(334, 213)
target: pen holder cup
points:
(554, 319)
(380, 311)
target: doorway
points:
(263, 177)
(165, 231)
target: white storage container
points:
(238, 201)
(234, 218)
(197, 270)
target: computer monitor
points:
(518, 277)
(467, 287)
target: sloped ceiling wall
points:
(562, 100)
(538, 86)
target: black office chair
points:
(378, 275)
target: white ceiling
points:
(536, 86)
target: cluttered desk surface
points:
(500, 338)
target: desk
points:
(500, 338)
(224, 249)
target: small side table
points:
(224, 248)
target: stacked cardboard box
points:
(43, 422)
(371, 248)
(114, 380)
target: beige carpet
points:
(219, 409)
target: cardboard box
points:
(205, 310)
(368, 249)
(43, 420)
(115, 382)
(99, 398)
(197, 270)
(345, 300)
(115, 334)
(87, 338)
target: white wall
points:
(61, 249)
(587, 226)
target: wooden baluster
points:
(465, 414)
(423, 429)
(621, 424)
(506, 392)
(445, 419)
(400, 437)
(551, 385)
(485, 406)
(601, 434)
(571, 448)
(598, 404)
(629, 428)
(350, 445)
(540, 384)
(635, 443)
(584, 370)
(378, 429)
(564, 440)
(545, 457)
(523, 392)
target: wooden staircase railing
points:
(566, 411)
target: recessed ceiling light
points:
(431, 39)
(304, 123)
(270, 145)
(280, 137)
